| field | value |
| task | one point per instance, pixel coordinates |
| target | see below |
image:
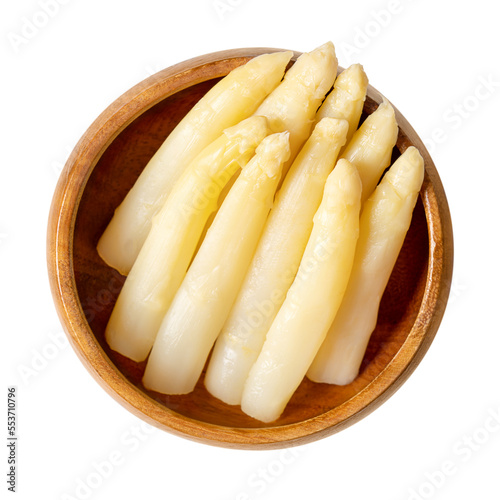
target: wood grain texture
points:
(103, 167)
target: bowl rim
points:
(72, 181)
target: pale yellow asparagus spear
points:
(204, 298)
(370, 149)
(220, 201)
(275, 262)
(293, 104)
(231, 100)
(384, 222)
(164, 258)
(312, 301)
(347, 98)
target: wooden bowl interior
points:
(98, 285)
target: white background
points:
(430, 58)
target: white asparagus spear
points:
(204, 298)
(347, 98)
(224, 192)
(293, 104)
(384, 222)
(312, 301)
(275, 262)
(164, 258)
(231, 100)
(370, 149)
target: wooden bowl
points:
(103, 167)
